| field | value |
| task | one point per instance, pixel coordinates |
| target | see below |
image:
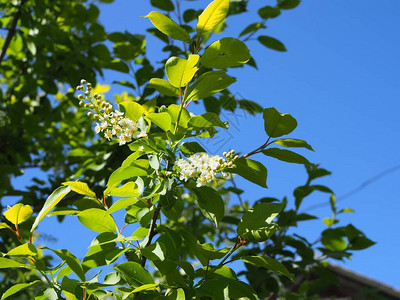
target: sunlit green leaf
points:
(181, 71)
(97, 220)
(208, 84)
(26, 249)
(162, 120)
(9, 263)
(206, 120)
(19, 287)
(18, 213)
(293, 143)
(168, 27)
(224, 53)
(50, 203)
(214, 14)
(81, 188)
(163, 86)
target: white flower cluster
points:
(112, 122)
(204, 168)
(4, 119)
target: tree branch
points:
(11, 31)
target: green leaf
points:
(117, 65)
(208, 84)
(225, 289)
(272, 43)
(288, 4)
(211, 204)
(268, 263)
(178, 294)
(4, 226)
(190, 148)
(71, 260)
(81, 188)
(251, 28)
(133, 110)
(293, 143)
(267, 12)
(208, 250)
(251, 170)
(162, 120)
(168, 27)
(333, 239)
(286, 155)
(277, 124)
(129, 189)
(163, 4)
(146, 287)
(173, 111)
(19, 287)
(18, 213)
(258, 221)
(97, 220)
(121, 204)
(206, 120)
(155, 251)
(214, 14)
(225, 53)
(134, 274)
(181, 71)
(163, 86)
(26, 249)
(50, 203)
(9, 263)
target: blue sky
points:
(340, 80)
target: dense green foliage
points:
(182, 231)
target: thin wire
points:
(359, 188)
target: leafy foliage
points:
(174, 194)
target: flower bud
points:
(81, 103)
(95, 96)
(89, 86)
(83, 81)
(87, 93)
(87, 105)
(90, 114)
(80, 97)
(96, 116)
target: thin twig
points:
(11, 31)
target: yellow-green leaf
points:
(181, 71)
(81, 188)
(97, 220)
(26, 249)
(19, 287)
(163, 86)
(133, 110)
(18, 213)
(50, 203)
(214, 13)
(4, 225)
(168, 27)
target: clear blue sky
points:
(340, 80)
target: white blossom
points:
(203, 168)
